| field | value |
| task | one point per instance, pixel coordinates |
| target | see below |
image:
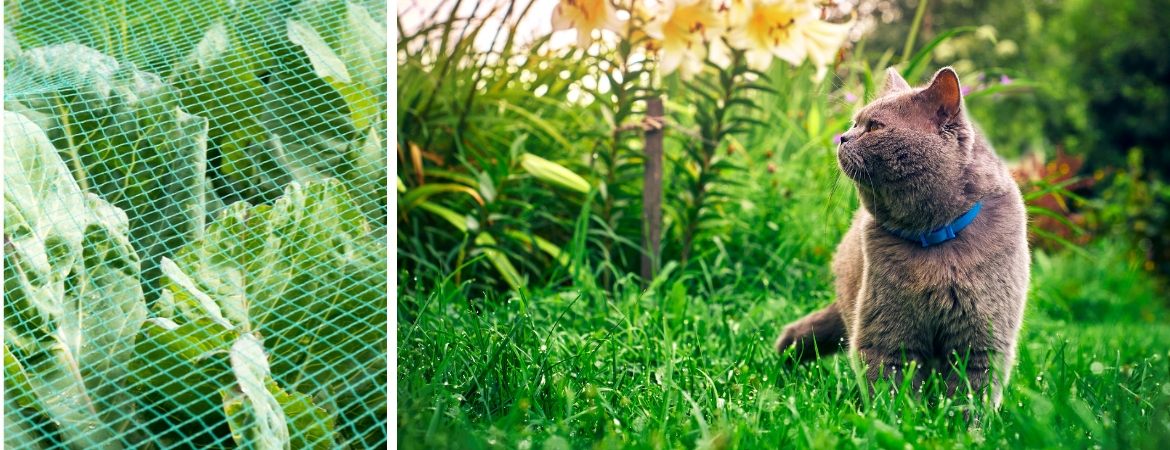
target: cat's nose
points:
(845, 138)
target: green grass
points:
(681, 367)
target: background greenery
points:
(1102, 91)
(508, 341)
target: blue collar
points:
(943, 234)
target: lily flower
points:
(585, 16)
(771, 28)
(737, 12)
(640, 16)
(685, 28)
(823, 40)
(787, 29)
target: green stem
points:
(620, 115)
(316, 338)
(479, 73)
(710, 145)
(75, 158)
(446, 62)
(459, 260)
(914, 30)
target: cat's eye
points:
(873, 126)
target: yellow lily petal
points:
(823, 40)
(585, 16)
(686, 27)
(719, 53)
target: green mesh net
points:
(195, 224)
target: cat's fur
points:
(897, 301)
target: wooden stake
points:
(652, 190)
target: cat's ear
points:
(944, 94)
(894, 82)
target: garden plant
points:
(195, 224)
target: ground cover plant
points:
(522, 321)
(194, 233)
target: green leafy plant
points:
(261, 105)
(540, 169)
(154, 41)
(476, 151)
(72, 297)
(124, 137)
(131, 321)
(299, 281)
(1133, 208)
(701, 171)
(300, 274)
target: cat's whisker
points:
(869, 175)
(832, 195)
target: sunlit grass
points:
(671, 368)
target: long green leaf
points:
(500, 260)
(454, 176)
(544, 246)
(1062, 241)
(541, 124)
(1021, 85)
(459, 221)
(257, 420)
(920, 59)
(554, 173)
(1059, 218)
(417, 195)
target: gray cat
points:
(934, 268)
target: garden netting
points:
(195, 224)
